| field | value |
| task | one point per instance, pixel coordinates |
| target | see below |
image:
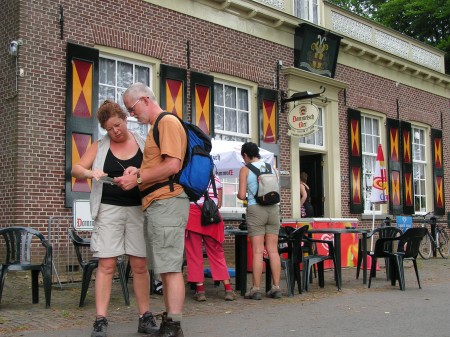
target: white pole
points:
(373, 226)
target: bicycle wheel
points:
(425, 247)
(444, 247)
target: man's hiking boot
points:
(168, 328)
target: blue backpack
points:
(197, 170)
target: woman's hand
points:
(95, 174)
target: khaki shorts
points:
(263, 220)
(165, 224)
(118, 230)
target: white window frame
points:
(420, 157)
(227, 134)
(369, 154)
(132, 122)
(307, 7)
(317, 136)
(233, 183)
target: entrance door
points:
(312, 165)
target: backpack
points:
(268, 192)
(196, 172)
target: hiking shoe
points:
(147, 323)
(274, 293)
(100, 327)
(230, 295)
(253, 294)
(168, 328)
(200, 296)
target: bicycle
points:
(439, 242)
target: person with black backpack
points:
(263, 217)
(165, 203)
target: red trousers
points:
(194, 257)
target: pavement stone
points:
(18, 317)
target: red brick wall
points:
(32, 156)
(381, 95)
(131, 25)
(9, 30)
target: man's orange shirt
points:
(173, 141)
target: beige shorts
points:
(165, 224)
(263, 220)
(118, 230)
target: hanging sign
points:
(302, 120)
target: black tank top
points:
(114, 167)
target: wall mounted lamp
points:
(14, 47)
(14, 52)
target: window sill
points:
(368, 216)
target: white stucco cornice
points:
(278, 26)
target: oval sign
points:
(302, 120)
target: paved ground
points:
(379, 311)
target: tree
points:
(425, 20)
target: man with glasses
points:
(166, 206)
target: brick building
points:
(229, 66)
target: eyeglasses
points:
(131, 109)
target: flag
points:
(379, 193)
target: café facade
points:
(318, 86)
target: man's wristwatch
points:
(139, 179)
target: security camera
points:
(14, 47)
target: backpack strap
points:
(206, 194)
(257, 173)
(253, 169)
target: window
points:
(315, 140)
(307, 10)
(419, 169)
(115, 76)
(231, 112)
(370, 137)
(231, 122)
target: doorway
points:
(312, 164)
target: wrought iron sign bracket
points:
(302, 96)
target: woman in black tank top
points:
(118, 217)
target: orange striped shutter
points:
(438, 171)
(173, 90)
(202, 102)
(355, 161)
(81, 104)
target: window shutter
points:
(407, 168)
(202, 102)
(394, 166)
(81, 105)
(438, 172)
(173, 90)
(267, 107)
(355, 161)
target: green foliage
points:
(425, 20)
